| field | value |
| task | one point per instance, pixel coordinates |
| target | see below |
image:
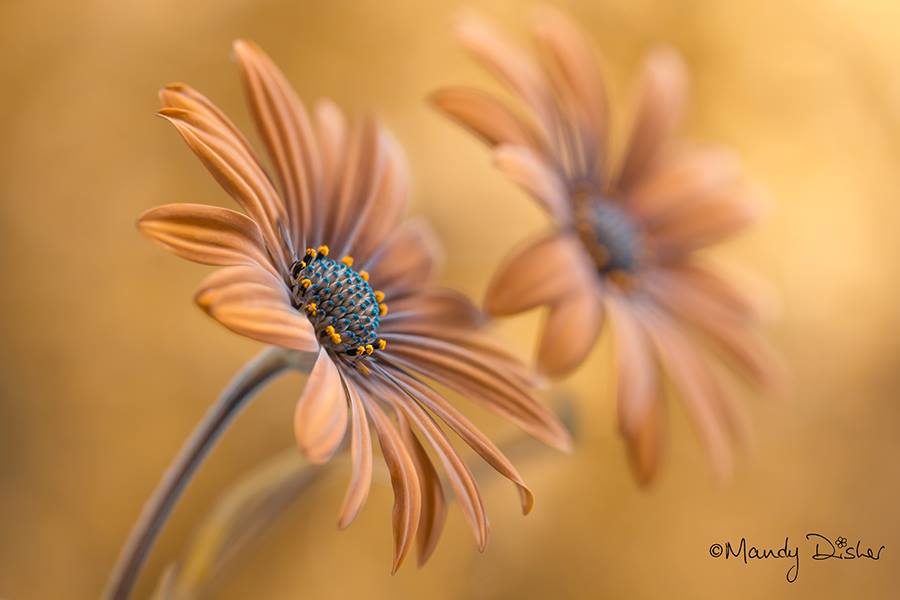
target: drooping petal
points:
(540, 180)
(285, 128)
(254, 303)
(465, 429)
(691, 378)
(404, 480)
(541, 272)
(475, 377)
(408, 260)
(320, 419)
(207, 234)
(458, 472)
(237, 172)
(434, 505)
(572, 326)
(487, 117)
(661, 96)
(360, 455)
(639, 399)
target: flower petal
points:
(662, 93)
(465, 429)
(486, 116)
(254, 303)
(572, 326)
(407, 261)
(541, 272)
(285, 128)
(431, 307)
(541, 181)
(360, 455)
(404, 480)
(636, 383)
(320, 419)
(434, 505)
(206, 234)
(331, 131)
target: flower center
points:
(339, 302)
(609, 235)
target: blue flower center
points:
(609, 235)
(341, 305)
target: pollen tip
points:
(323, 250)
(383, 309)
(347, 260)
(364, 275)
(370, 349)
(379, 295)
(381, 344)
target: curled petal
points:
(573, 325)
(404, 480)
(206, 234)
(543, 271)
(360, 455)
(320, 419)
(254, 303)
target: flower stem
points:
(269, 363)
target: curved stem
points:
(240, 391)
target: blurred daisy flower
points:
(321, 261)
(626, 231)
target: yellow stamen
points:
(364, 275)
(379, 295)
(311, 308)
(336, 338)
(323, 250)
(361, 350)
(382, 344)
(310, 251)
(383, 309)
(305, 283)
(347, 260)
(369, 349)
(329, 330)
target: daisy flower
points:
(626, 231)
(320, 260)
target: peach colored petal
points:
(541, 181)
(254, 303)
(662, 93)
(500, 392)
(572, 326)
(708, 220)
(240, 175)
(408, 260)
(331, 131)
(571, 52)
(682, 176)
(741, 343)
(744, 295)
(541, 272)
(404, 480)
(320, 419)
(511, 66)
(691, 378)
(645, 443)
(386, 206)
(360, 455)
(207, 234)
(285, 128)
(434, 505)
(429, 308)
(428, 398)
(458, 472)
(486, 116)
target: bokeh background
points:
(106, 364)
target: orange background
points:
(107, 365)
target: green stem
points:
(269, 363)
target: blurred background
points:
(107, 365)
